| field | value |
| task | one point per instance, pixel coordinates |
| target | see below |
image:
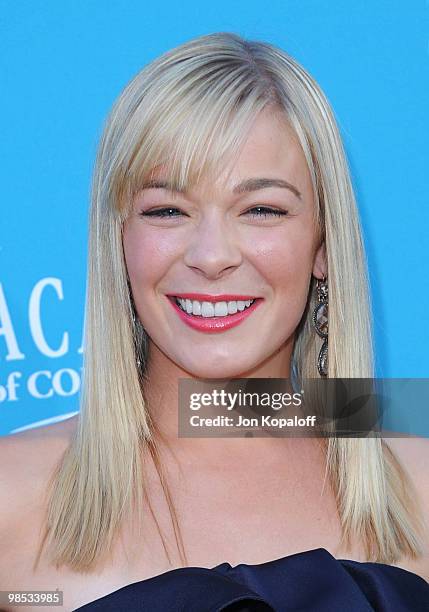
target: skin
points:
(237, 500)
(214, 244)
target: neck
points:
(161, 392)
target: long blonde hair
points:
(191, 108)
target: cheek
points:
(284, 257)
(285, 263)
(147, 255)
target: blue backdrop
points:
(62, 66)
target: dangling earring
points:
(320, 322)
(138, 361)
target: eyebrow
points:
(246, 186)
(254, 184)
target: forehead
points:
(271, 150)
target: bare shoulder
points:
(34, 446)
(26, 462)
(413, 454)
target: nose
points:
(213, 248)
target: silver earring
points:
(320, 322)
(138, 360)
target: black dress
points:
(313, 580)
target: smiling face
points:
(256, 241)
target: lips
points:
(214, 324)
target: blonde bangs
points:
(196, 130)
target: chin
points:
(217, 371)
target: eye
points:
(262, 211)
(266, 211)
(160, 212)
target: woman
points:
(220, 178)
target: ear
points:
(320, 266)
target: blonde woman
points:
(220, 178)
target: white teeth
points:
(210, 309)
(196, 308)
(221, 309)
(232, 307)
(207, 309)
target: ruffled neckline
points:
(312, 580)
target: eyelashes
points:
(267, 212)
(263, 212)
